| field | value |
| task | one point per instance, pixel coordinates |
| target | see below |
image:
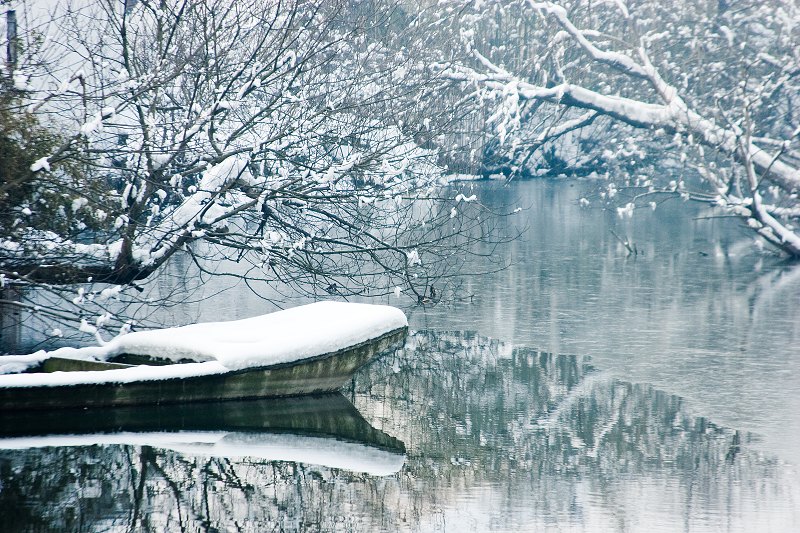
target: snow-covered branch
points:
(276, 135)
(610, 85)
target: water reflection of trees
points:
(498, 437)
(696, 315)
(531, 435)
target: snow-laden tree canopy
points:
(283, 134)
(307, 139)
(703, 90)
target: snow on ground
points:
(321, 451)
(219, 347)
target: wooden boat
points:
(324, 430)
(305, 350)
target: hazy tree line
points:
(310, 140)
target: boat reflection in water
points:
(321, 430)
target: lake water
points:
(580, 389)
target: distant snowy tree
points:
(284, 135)
(701, 93)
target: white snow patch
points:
(109, 292)
(160, 159)
(466, 199)
(40, 164)
(92, 125)
(729, 35)
(78, 203)
(626, 211)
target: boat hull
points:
(316, 375)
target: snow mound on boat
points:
(281, 337)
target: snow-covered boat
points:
(309, 349)
(321, 430)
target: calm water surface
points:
(580, 389)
